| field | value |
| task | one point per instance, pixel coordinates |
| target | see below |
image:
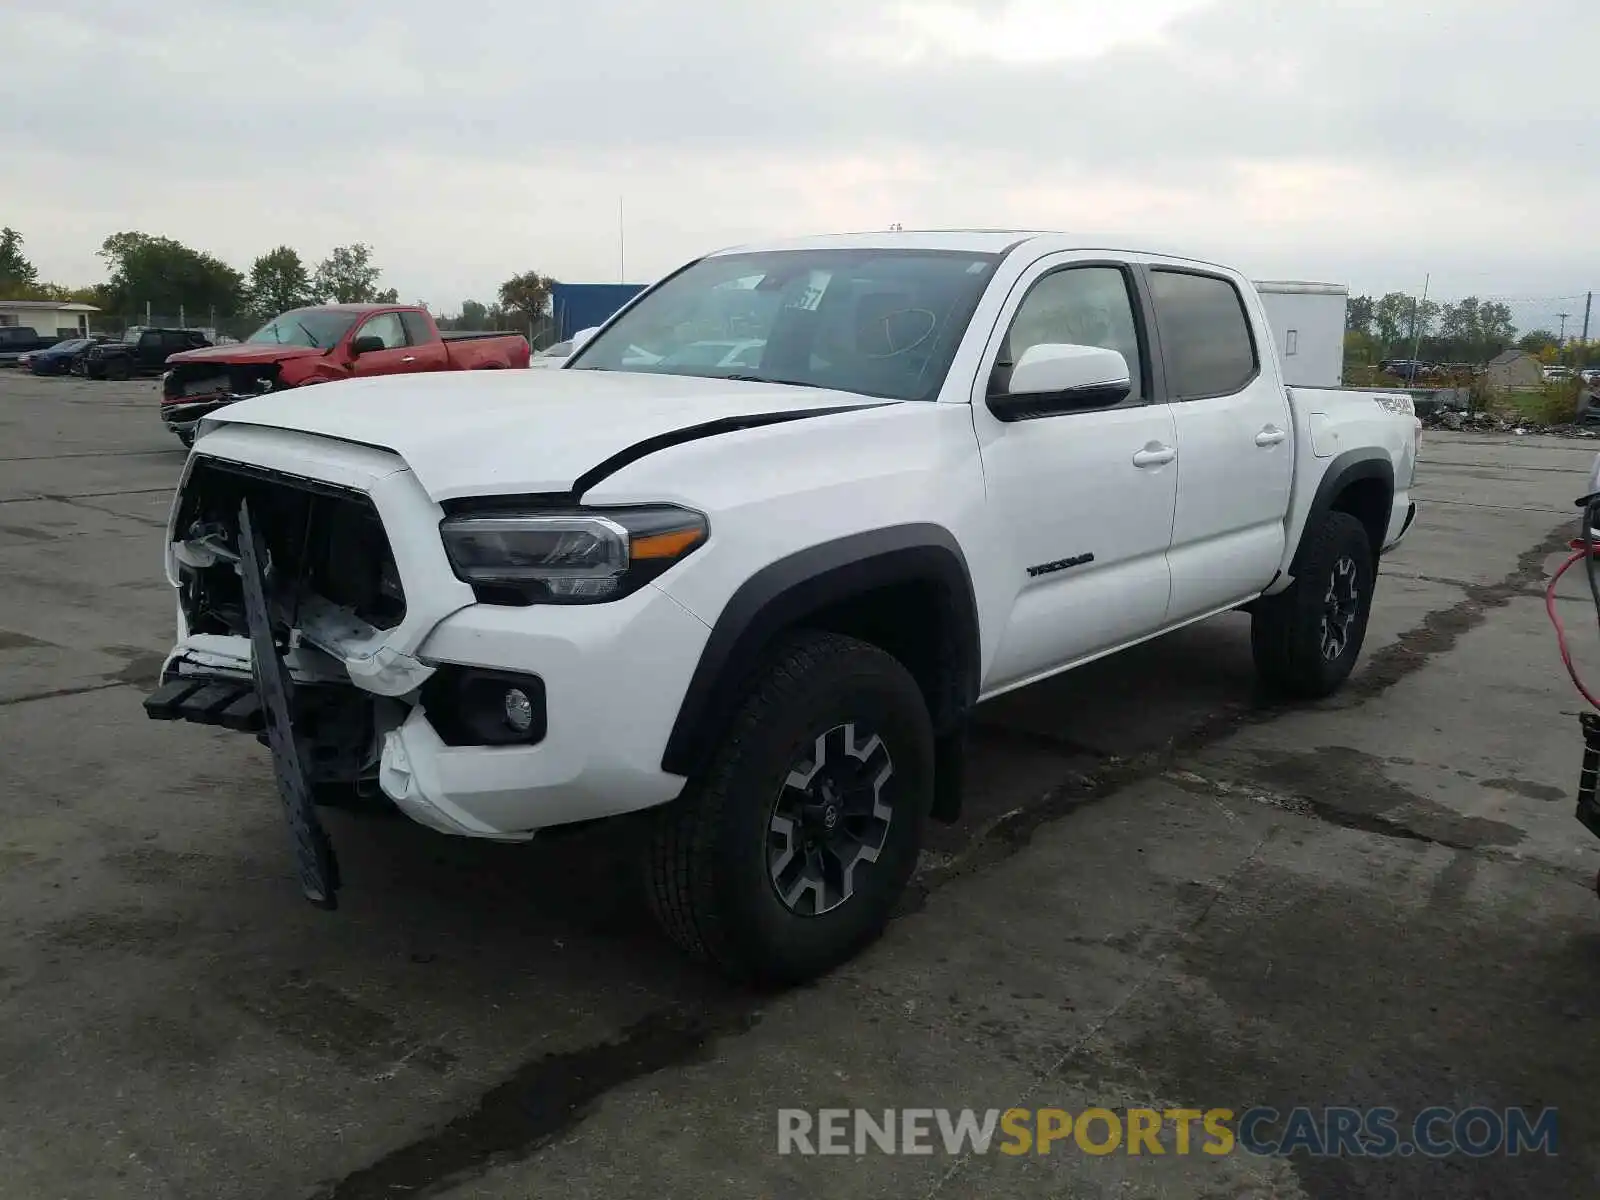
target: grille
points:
(321, 540)
(187, 381)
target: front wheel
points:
(787, 855)
(1307, 638)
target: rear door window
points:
(1205, 334)
(416, 327)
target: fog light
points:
(471, 707)
(519, 710)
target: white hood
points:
(508, 432)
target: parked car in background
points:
(551, 357)
(142, 351)
(60, 358)
(1556, 371)
(17, 340)
(324, 344)
(1409, 369)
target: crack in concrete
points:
(70, 496)
(1441, 629)
(541, 1100)
(71, 691)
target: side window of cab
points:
(387, 328)
(1078, 306)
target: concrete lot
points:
(1166, 893)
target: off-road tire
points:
(1287, 631)
(708, 873)
(119, 370)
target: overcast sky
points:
(1357, 141)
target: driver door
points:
(1083, 500)
(396, 356)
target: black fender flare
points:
(784, 593)
(1350, 467)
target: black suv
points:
(142, 351)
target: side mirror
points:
(581, 339)
(365, 345)
(1054, 377)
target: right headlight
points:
(568, 556)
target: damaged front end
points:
(190, 391)
(333, 596)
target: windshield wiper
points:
(769, 379)
(309, 334)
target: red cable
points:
(1578, 555)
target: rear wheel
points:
(786, 857)
(1306, 639)
(119, 369)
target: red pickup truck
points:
(321, 344)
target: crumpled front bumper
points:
(184, 415)
(613, 674)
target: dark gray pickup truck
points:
(16, 340)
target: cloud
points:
(1363, 141)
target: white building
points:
(50, 318)
(1307, 322)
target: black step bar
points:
(208, 700)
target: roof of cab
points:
(972, 241)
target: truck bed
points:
(468, 335)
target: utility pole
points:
(1588, 302)
(1416, 327)
(1561, 340)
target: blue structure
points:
(576, 306)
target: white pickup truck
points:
(763, 601)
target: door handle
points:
(409, 358)
(1270, 436)
(1154, 455)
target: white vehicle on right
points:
(755, 604)
(551, 357)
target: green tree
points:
(348, 276)
(279, 281)
(1459, 321)
(1401, 318)
(1496, 330)
(1360, 349)
(1358, 315)
(166, 276)
(1391, 316)
(525, 298)
(17, 274)
(1536, 341)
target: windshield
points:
(70, 345)
(315, 327)
(874, 321)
